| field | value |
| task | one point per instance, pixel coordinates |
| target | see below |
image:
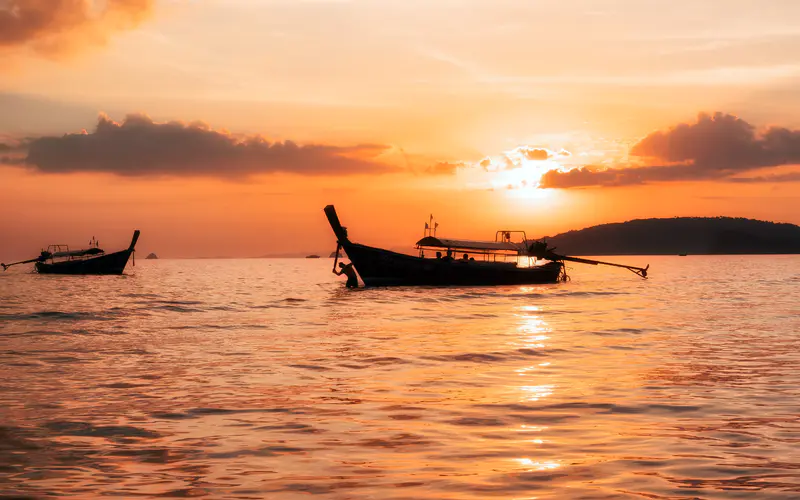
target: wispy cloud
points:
(786, 177)
(443, 168)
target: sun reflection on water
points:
(533, 329)
(532, 428)
(533, 332)
(532, 465)
(536, 392)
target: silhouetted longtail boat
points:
(59, 259)
(379, 267)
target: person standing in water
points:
(350, 272)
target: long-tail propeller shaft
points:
(539, 250)
(6, 266)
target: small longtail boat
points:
(379, 267)
(59, 259)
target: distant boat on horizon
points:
(59, 259)
(312, 256)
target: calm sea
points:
(268, 379)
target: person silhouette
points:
(349, 271)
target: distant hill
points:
(690, 235)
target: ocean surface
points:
(266, 378)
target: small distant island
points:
(151, 256)
(681, 235)
(312, 256)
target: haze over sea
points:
(266, 378)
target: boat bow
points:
(338, 229)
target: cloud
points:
(11, 144)
(12, 152)
(541, 154)
(717, 146)
(786, 177)
(444, 168)
(139, 146)
(535, 154)
(57, 26)
(520, 157)
(609, 177)
(722, 142)
(11, 160)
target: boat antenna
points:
(430, 227)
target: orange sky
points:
(392, 110)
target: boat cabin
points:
(502, 249)
(63, 253)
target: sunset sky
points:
(223, 127)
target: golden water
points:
(267, 379)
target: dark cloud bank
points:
(139, 146)
(716, 147)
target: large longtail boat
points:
(499, 262)
(59, 259)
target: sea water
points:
(266, 378)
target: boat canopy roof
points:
(490, 246)
(77, 253)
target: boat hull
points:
(112, 263)
(379, 267)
